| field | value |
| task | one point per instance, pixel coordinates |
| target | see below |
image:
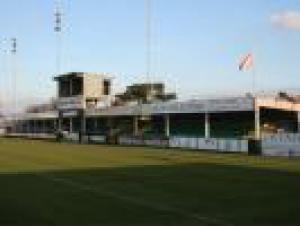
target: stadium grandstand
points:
(86, 111)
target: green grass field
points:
(46, 183)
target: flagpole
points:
(257, 131)
(248, 62)
(253, 81)
(254, 75)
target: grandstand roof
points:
(217, 105)
(193, 106)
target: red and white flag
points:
(246, 62)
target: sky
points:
(196, 45)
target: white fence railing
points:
(32, 135)
(138, 141)
(285, 144)
(96, 139)
(282, 138)
(224, 145)
(71, 137)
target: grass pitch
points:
(46, 183)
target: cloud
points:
(287, 19)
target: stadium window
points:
(64, 88)
(106, 87)
(77, 86)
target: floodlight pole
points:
(58, 32)
(14, 79)
(148, 33)
(3, 65)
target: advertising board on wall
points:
(71, 103)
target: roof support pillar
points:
(83, 126)
(44, 129)
(167, 125)
(298, 121)
(59, 121)
(135, 125)
(257, 121)
(35, 126)
(207, 125)
(28, 126)
(71, 125)
(95, 124)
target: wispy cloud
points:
(286, 19)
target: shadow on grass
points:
(193, 194)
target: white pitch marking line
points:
(156, 207)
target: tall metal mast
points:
(148, 33)
(58, 28)
(145, 114)
(2, 82)
(14, 78)
(148, 39)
